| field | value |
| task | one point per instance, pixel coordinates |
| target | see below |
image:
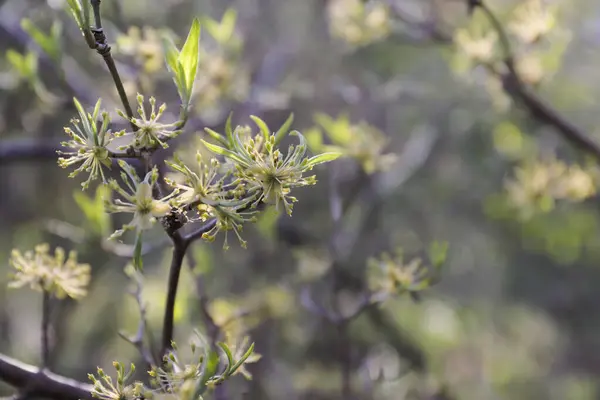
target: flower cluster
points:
(139, 200)
(359, 24)
(176, 378)
(537, 186)
(150, 132)
(89, 144)
(56, 274)
(261, 169)
(360, 141)
(391, 275)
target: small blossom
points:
(106, 389)
(150, 132)
(174, 374)
(395, 275)
(89, 141)
(207, 192)
(145, 46)
(362, 142)
(479, 48)
(63, 277)
(357, 23)
(138, 200)
(263, 168)
(532, 21)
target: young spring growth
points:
(89, 141)
(150, 132)
(59, 275)
(81, 11)
(106, 389)
(261, 166)
(138, 200)
(175, 375)
(203, 186)
(184, 64)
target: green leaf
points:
(437, 253)
(188, 57)
(323, 158)
(284, 128)
(137, 253)
(229, 130)
(210, 369)
(48, 43)
(171, 53)
(230, 360)
(262, 125)
(227, 26)
(242, 360)
(222, 152)
(217, 136)
(93, 209)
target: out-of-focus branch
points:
(538, 108)
(421, 30)
(45, 328)
(35, 382)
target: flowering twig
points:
(103, 48)
(538, 108)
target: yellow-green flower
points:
(54, 274)
(150, 132)
(89, 143)
(263, 168)
(138, 200)
(107, 389)
(532, 20)
(479, 47)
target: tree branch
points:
(41, 383)
(45, 328)
(538, 108)
(179, 248)
(104, 50)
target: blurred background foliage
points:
(435, 148)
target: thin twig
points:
(40, 382)
(103, 48)
(137, 340)
(538, 108)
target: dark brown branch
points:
(104, 50)
(35, 382)
(179, 248)
(45, 328)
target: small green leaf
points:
(221, 151)
(137, 253)
(48, 43)
(217, 136)
(242, 360)
(171, 53)
(262, 126)
(227, 26)
(230, 360)
(188, 58)
(323, 158)
(284, 128)
(229, 130)
(437, 253)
